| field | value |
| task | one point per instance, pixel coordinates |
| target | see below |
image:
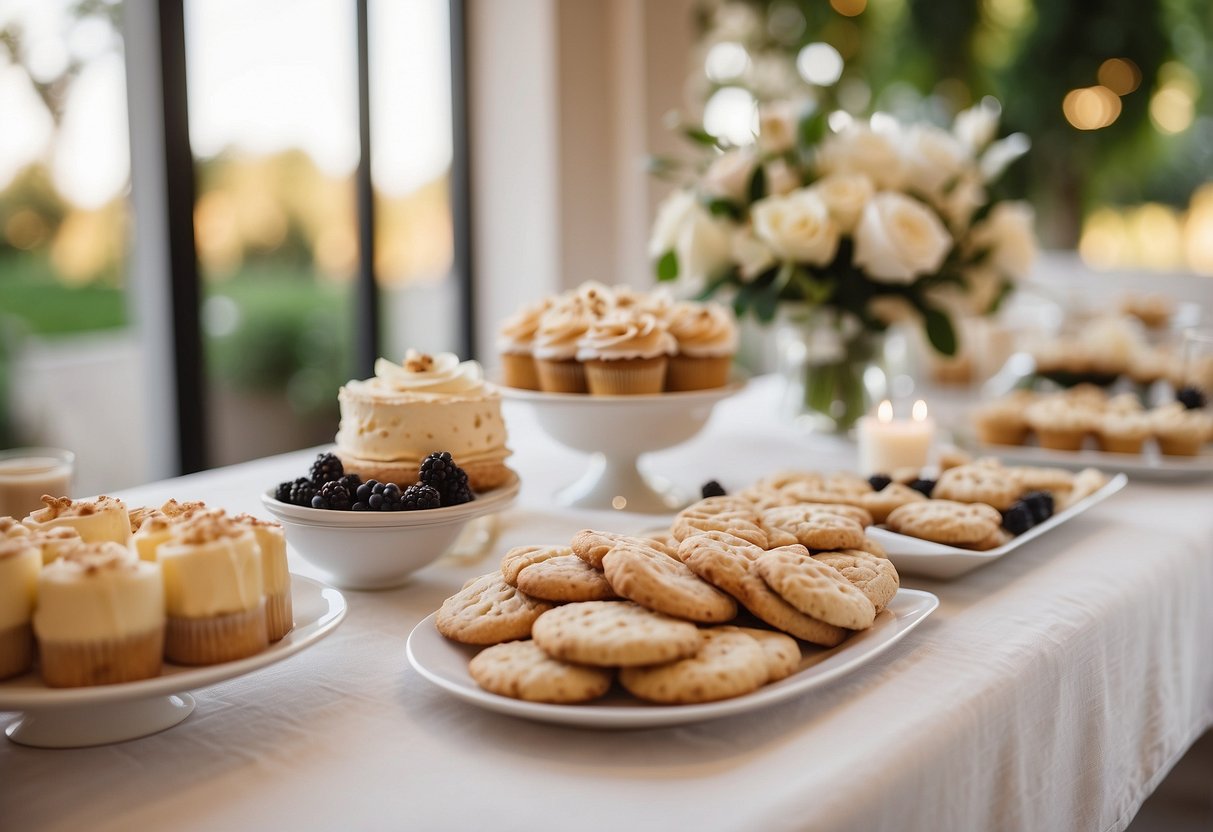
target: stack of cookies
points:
(660, 613)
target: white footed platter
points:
(445, 663)
(914, 556)
(380, 550)
(617, 430)
(104, 714)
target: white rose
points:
(797, 227)
(899, 239)
(933, 159)
(752, 255)
(1001, 154)
(845, 195)
(777, 127)
(781, 178)
(859, 149)
(728, 177)
(701, 242)
(976, 126)
(1007, 234)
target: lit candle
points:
(887, 444)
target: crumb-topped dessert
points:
(279, 616)
(99, 617)
(213, 591)
(626, 352)
(430, 403)
(20, 561)
(100, 520)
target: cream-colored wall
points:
(567, 104)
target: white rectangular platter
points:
(445, 663)
(1148, 465)
(914, 556)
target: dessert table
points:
(1053, 689)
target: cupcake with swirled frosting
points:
(555, 349)
(626, 353)
(706, 335)
(429, 403)
(516, 346)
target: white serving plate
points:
(445, 663)
(103, 714)
(914, 556)
(1151, 464)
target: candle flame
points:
(920, 411)
(885, 412)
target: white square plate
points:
(445, 663)
(914, 556)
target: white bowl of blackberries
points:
(374, 535)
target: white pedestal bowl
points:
(616, 431)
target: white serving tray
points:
(103, 714)
(445, 663)
(914, 556)
(1151, 464)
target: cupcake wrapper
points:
(561, 376)
(1120, 445)
(1001, 434)
(220, 638)
(689, 373)
(74, 664)
(519, 371)
(1179, 445)
(626, 377)
(16, 650)
(279, 617)
(1060, 440)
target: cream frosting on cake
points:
(517, 333)
(100, 520)
(706, 330)
(272, 541)
(427, 404)
(153, 532)
(98, 592)
(211, 567)
(54, 542)
(626, 334)
(20, 561)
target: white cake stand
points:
(617, 430)
(80, 717)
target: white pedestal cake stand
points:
(80, 717)
(617, 430)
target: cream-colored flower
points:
(777, 127)
(1008, 236)
(960, 203)
(797, 227)
(752, 255)
(975, 127)
(728, 177)
(781, 177)
(701, 242)
(899, 239)
(845, 195)
(859, 149)
(933, 159)
(1002, 153)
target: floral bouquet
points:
(850, 226)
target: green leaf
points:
(758, 184)
(814, 291)
(767, 302)
(812, 128)
(667, 266)
(724, 208)
(940, 331)
(698, 134)
(745, 297)
(1004, 291)
(716, 283)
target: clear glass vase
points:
(834, 370)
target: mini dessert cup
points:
(216, 638)
(1061, 439)
(687, 372)
(561, 376)
(16, 650)
(626, 376)
(74, 664)
(1123, 432)
(20, 561)
(518, 370)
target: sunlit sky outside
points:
(264, 77)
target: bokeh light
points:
(731, 113)
(1091, 108)
(820, 64)
(1120, 75)
(1172, 108)
(726, 61)
(849, 8)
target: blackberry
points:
(301, 493)
(924, 487)
(1191, 397)
(351, 483)
(879, 481)
(440, 472)
(283, 492)
(332, 495)
(1018, 518)
(379, 496)
(1040, 503)
(326, 468)
(711, 488)
(420, 496)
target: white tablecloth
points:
(1052, 690)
